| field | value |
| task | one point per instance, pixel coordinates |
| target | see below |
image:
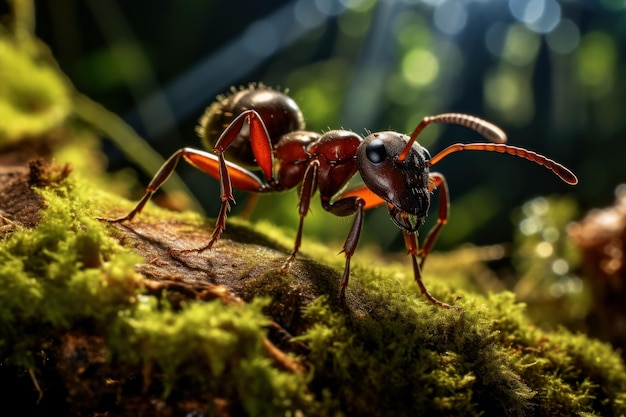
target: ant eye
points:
(426, 154)
(376, 151)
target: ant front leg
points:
(436, 180)
(341, 207)
(411, 244)
(351, 202)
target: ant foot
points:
(178, 252)
(457, 308)
(344, 304)
(116, 220)
(287, 264)
(446, 305)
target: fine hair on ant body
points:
(263, 129)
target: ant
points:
(263, 129)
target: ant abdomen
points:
(279, 112)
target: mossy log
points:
(106, 319)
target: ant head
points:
(279, 112)
(403, 184)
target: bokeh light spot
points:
(524, 10)
(354, 23)
(530, 226)
(502, 91)
(550, 234)
(536, 207)
(495, 38)
(411, 29)
(564, 38)
(329, 7)
(450, 17)
(307, 14)
(597, 61)
(420, 67)
(540, 16)
(509, 94)
(521, 46)
(358, 5)
(544, 249)
(560, 266)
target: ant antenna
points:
(488, 130)
(561, 171)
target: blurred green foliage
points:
(33, 100)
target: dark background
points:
(551, 74)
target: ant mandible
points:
(263, 129)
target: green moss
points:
(486, 360)
(65, 271)
(407, 357)
(217, 345)
(69, 274)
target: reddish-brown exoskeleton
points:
(263, 128)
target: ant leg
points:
(259, 140)
(307, 189)
(211, 165)
(159, 178)
(262, 149)
(349, 247)
(229, 175)
(226, 196)
(412, 247)
(353, 201)
(436, 180)
(217, 167)
(346, 206)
